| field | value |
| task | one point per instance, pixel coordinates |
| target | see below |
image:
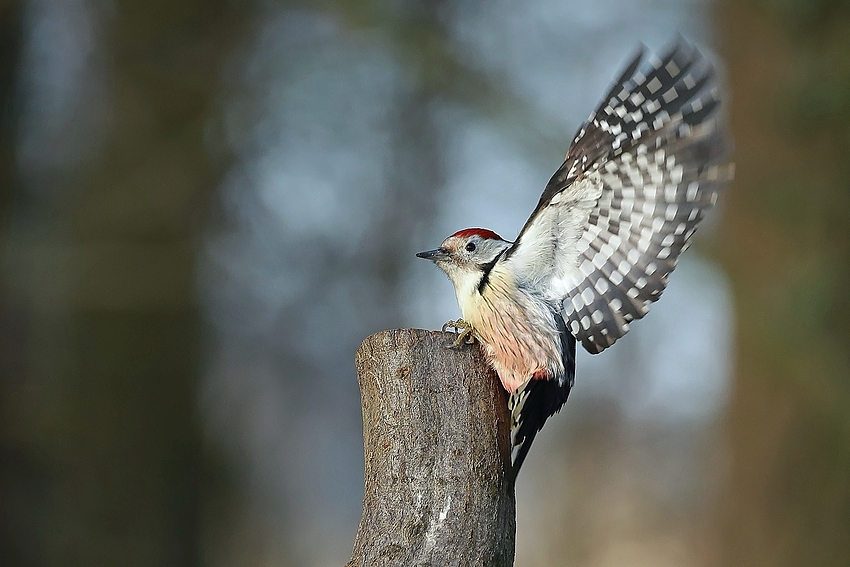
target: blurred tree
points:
(787, 248)
(99, 265)
(21, 485)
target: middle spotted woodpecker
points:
(640, 174)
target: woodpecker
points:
(639, 176)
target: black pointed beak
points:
(433, 255)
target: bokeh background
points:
(206, 205)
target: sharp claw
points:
(464, 331)
(460, 340)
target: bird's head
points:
(467, 255)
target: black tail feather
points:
(540, 399)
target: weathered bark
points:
(437, 447)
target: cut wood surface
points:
(438, 483)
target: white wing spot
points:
(600, 259)
(615, 241)
(653, 85)
(601, 286)
(670, 95)
(577, 302)
(650, 190)
(672, 68)
(676, 173)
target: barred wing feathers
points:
(639, 176)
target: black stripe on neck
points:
(487, 268)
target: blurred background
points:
(206, 205)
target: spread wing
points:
(639, 176)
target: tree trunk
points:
(436, 434)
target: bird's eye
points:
(470, 247)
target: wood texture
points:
(438, 488)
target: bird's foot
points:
(464, 331)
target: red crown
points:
(482, 232)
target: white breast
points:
(517, 328)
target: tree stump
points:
(436, 436)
